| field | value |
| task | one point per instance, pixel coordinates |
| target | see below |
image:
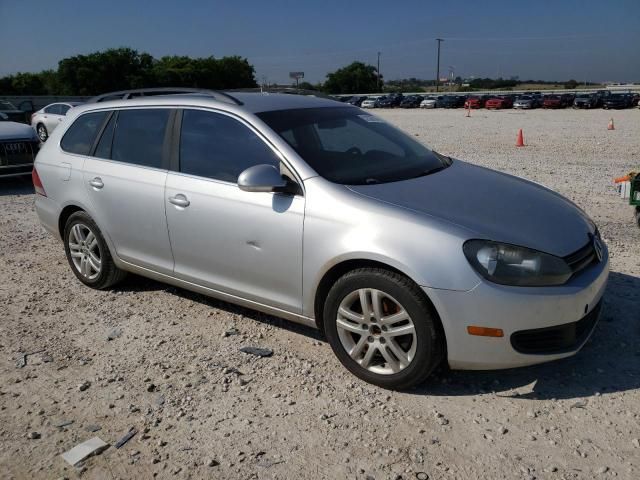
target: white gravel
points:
(167, 361)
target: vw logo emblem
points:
(598, 247)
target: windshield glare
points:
(349, 146)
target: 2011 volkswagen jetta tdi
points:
(318, 212)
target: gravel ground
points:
(167, 361)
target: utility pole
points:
(439, 40)
(378, 72)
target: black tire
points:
(428, 333)
(109, 273)
(637, 215)
(42, 132)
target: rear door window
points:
(53, 109)
(139, 136)
(103, 150)
(81, 135)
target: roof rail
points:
(151, 92)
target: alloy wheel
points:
(376, 331)
(85, 251)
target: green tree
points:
(355, 78)
(571, 84)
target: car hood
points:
(16, 131)
(492, 205)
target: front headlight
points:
(518, 266)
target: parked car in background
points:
(18, 147)
(356, 101)
(585, 100)
(553, 101)
(476, 101)
(416, 273)
(430, 102)
(451, 101)
(390, 101)
(412, 101)
(568, 98)
(369, 102)
(525, 102)
(617, 101)
(496, 103)
(12, 112)
(45, 120)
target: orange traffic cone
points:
(520, 139)
(610, 126)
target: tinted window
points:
(103, 150)
(81, 135)
(53, 109)
(64, 109)
(345, 145)
(219, 147)
(139, 136)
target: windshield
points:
(348, 146)
(7, 105)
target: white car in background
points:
(428, 102)
(369, 102)
(45, 120)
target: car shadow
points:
(136, 283)
(16, 186)
(609, 362)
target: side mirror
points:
(263, 178)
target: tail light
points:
(37, 183)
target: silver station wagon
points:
(323, 214)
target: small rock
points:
(602, 470)
(213, 463)
(230, 332)
(257, 351)
(502, 430)
(84, 385)
(113, 334)
(151, 387)
(33, 435)
(93, 428)
(636, 442)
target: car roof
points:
(236, 102)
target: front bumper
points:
(520, 311)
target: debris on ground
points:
(128, 436)
(113, 334)
(257, 351)
(93, 446)
(93, 428)
(22, 358)
(63, 423)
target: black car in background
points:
(585, 100)
(451, 101)
(617, 101)
(20, 114)
(356, 101)
(412, 101)
(390, 101)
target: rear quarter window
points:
(82, 133)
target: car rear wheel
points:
(382, 328)
(88, 254)
(42, 132)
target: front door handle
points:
(180, 200)
(96, 183)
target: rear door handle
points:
(179, 200)
(96, 183)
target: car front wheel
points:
(382, 328)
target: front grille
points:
(17, 152)
(581, 259)
(558, 339)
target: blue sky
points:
(562, 39)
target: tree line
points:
(124, 68)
